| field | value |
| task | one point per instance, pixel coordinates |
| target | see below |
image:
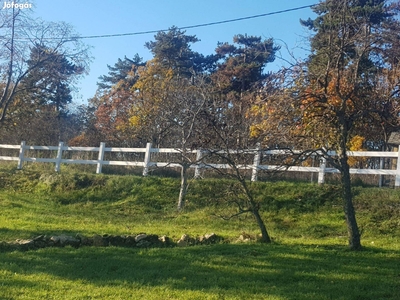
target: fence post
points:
(100, 158)
(321, 173)
(381, 166)
(59, 156)
(397, 181)
(256, 162)
(21, 155)
(199, 155)
(147, 160)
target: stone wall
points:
(139, 241)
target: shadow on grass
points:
(235, 271)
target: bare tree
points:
(19, 34)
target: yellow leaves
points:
(255, 131)
(134, 121)
(150, 93)
(153, 77)
(257, 110)
(261, 116)
(356, 144)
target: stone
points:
(66, 240)
(245, 237)
(25, 244)
(186, 240)
(153, 239)
(140, 237)
(130, 241)
(165, 241)
(98, 241)
(106, 240)
(182, 243)
(40, 238)
(143, 244)
(210, 238)
(116, 240)
(55, 240)
(41, 241)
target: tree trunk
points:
(183, 189)
(349, 212)
(254, 210)
(264, 233)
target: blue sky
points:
(100, 17)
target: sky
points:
(101, 17)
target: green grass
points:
(214, 272)
(308, 259)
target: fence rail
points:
(255, 166)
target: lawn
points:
(308, 259)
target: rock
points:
(143, 244)
(84, 241)
(165, 241)
(210, 238)
(144, 240)
(55, 240)
(66, 240)
(116, 240)
(98, 241)
(153, 239)
(130, 241)
(140, 237)
(39, 238)
(182, 243)
(41, 241)
(245, 237)
(186, 240)
(25, 244)
(106, 239)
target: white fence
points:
(198, 163)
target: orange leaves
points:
(336, 94)
(323, 104)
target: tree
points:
(155, 94)
(87, 134)
(220, 146)
(235, 85)
(152, 104)
(112, 104)
(348, 55)
(29, 45)
(240, 73)
(39, 113)
(169, 96)
(121, 71)
(172, 49)
(166, 110)
(49, 83)
(347, 90)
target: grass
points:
(308, 259)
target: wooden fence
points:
(198, 163)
